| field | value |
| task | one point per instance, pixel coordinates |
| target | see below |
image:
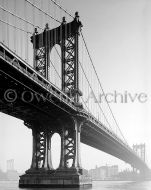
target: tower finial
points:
(63, 20)
(35, 31)
(77, 16)
(47, 26)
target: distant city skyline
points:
(100, 172)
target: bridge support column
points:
(41, 158)
(69, 173)
(70, 170)
(70, 147)
(41, 166)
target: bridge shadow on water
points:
(85, 188)
(97, 185)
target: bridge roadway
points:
(16, 74)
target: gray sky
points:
(118, 34)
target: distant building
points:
(104, 172)
(11, 173)
(3, 176)
(10, 165)
(112, 171)
(99, 173)
(85, 172)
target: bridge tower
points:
(69, 173)
(140, 150)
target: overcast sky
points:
(118, 34)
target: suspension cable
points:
(89, 112)
(91, 89)
(60, 78)
(94, 95)
(101, 86)
(18, 17)
(55, 69)
(15, 27)
(62, 8)
(43, 11)
(57, 52)
(89, 85)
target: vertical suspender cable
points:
(102, 89)
(26, 37)
(15, 28)
(62, 8)
(3, 26)
(7, 27)
(55, 79)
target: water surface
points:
(97, 185)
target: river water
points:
(97, 185)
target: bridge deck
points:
(16, 72)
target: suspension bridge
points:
(47, 75)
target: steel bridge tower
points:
(69, 173)
(140, 150)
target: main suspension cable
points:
(62, 8)
(43, 11)
(15, 27)
(94, 95)
(18, 17)
(101, 86)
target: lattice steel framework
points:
(140, 150)
(67, 36)
(41, 54)
(41, 158)
(70, 63)
(70, 147)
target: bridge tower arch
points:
(67, 37)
